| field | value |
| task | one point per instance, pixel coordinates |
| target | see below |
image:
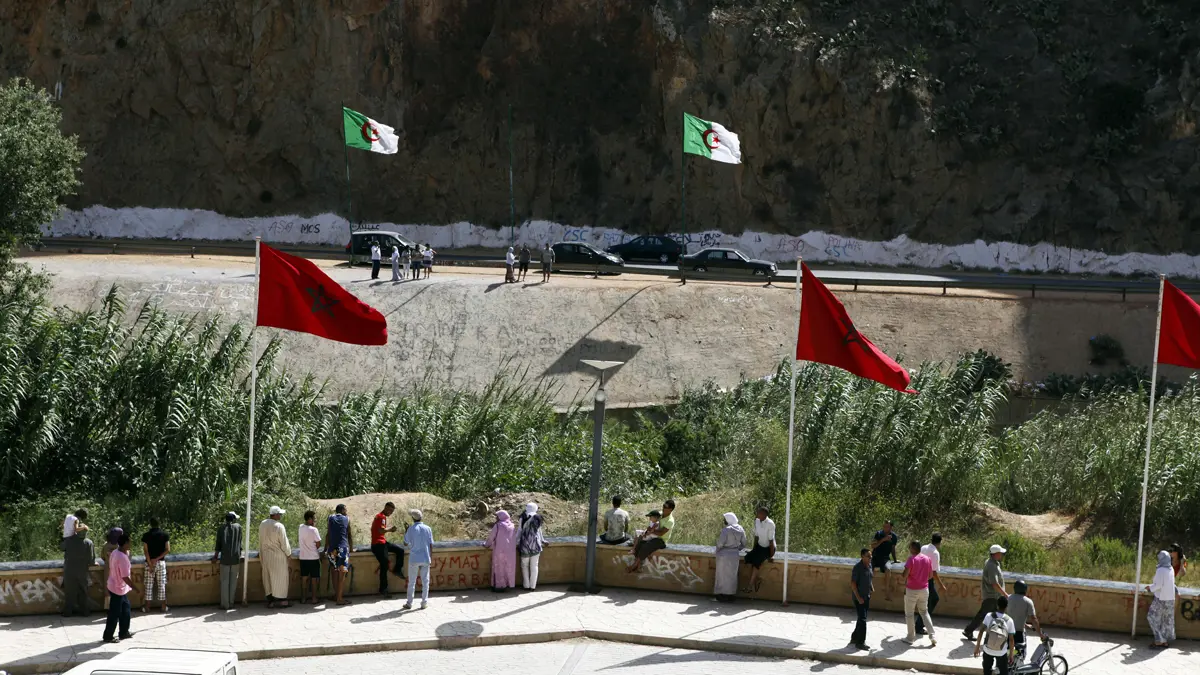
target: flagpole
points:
(787, 508)
(512, 200)
(253, 395)
(1137, 578)
(683, 197)
(349, 198)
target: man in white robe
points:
(273, 553)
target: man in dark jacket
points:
(79, 554)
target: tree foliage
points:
(39, 165)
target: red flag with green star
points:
(295, 294)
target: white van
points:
(146, 661)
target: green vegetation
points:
(133, 414)
(38, 167)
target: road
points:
(574, 657)
(878, 278)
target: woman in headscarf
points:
(509, 261)
(503, 542)
(395, 263)
(729, 550)
(1161, 615)
(530, 543)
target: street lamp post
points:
(597, 452)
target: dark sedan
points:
(585, 258)
(728, 261)
(649, 247)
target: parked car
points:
(359, 246)
(149, 661)
(728, 261)
(585, 258)
(653, 247)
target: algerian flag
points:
(364, 133)
(711, 140)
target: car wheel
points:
(664, 258)
(701, 268)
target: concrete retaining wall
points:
(36, 587)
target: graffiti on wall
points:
(671, 569)
(30, 592)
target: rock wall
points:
(1070, 122)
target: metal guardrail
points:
(839, 277)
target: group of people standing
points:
(516, 265)
(406, 264)
(516, 545)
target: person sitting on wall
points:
(655, 537)
(616, 522)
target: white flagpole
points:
(787, 508)
(253, 395)
(1137, 578)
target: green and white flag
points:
(711, 140)
(364, 133)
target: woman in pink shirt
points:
(119, 585)
(917, 571)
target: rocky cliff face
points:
(1069, 121)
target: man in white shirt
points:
(616, 524)
(376, 257)
(764, 547)
(932, 551)
(427, 259)
(996, 649)
(310, 557)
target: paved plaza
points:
(483, 619)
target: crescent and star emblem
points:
(710, 139)
(369, 133)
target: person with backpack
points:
(996, 639)
(530, 543)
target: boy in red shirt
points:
(119, 584)
(381, 547)
(918, 569)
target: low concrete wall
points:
(36, 587)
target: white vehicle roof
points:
(159, 661)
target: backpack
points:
(996, 638)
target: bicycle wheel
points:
(1055, 665)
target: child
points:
(73, 524)
(647, 542)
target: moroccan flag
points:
(828, 336)
(364, 133)
(711, 140)
(1179, 338)
(295, 294)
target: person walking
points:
(274, 550)
(996, 638)
(1023, 612)
(78, 555)
(406, 263)
(308, 539)
(991, 590)
(120, 583)
(917, 571)
(156, 544)
(337, 550)
(419, 540)
(376, 256)
(381, 547)
(883, 546)
(616, 525)
(1161, 615)
(1178, 559)
(530, 543)
(861, 588)
(547, 263)
(932, 551)
(228, 551)
(503, 542)
(764, 547)
(395, 263)
(730, 543)
(524, 261)
(510, 262)
(427, 260)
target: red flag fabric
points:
(1179, 336)
(295, 294)
(827, 335)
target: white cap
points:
(276, 511)
(997, 548)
